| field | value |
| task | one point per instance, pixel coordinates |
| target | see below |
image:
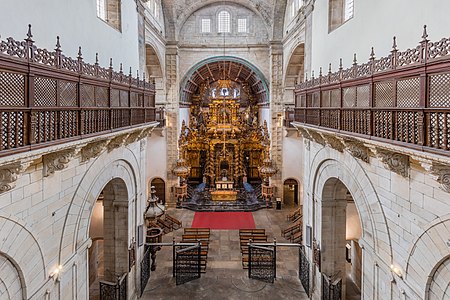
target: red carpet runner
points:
(223, 220)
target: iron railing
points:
(48, 98)
(114, 290)
(187, 263)
(331, 289)
(145, 268)
(304, 267)
(262, 262)
(401, 99)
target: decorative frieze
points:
(443, 173)
(8, 176)
(357, 150)
(133, 137)
(117, 142)
(334, 142)
(56, 161)
(396, 162)
(93, 150)
(316, 137)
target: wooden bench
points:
(197, 230)
(252, 231)
(176, 224)
(291, 229)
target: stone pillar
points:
(172, 110)
(276, 108)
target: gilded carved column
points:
(276, 108)
(172, 108)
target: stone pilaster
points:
(276, 108)
(172, 108)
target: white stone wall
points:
(77, 24)
(45, 221)
(191, 33)
(404, 221)
(373, 25)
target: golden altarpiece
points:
(224, 145)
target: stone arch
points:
(294, 72)
(154, 70)
(421, 262)
(292, 180)
(10, 287)
(438, 286)
(153, 62)
(105, 168)
(254, 74)
(160, 185)
(24, 255)
(331, 164)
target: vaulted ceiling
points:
(177, 12)
(233, 70)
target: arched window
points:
(223, 21)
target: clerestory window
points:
(223, 22)
(242, 25)
(206, 25)
(339, 11)
(110, 12)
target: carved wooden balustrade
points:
(47, 98)
(403, 98)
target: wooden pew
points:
(176, 224)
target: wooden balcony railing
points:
(402, 99)
(47, 98)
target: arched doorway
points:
(290, 192)
(160, 187)
(341, 256)
(108, 230)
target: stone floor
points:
(225, 278)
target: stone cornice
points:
(395, 158)
(396, 162)
(57, 161)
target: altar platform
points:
(224, 195)
(237, 199)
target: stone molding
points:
(357, 150)
(443, 174)
(93, 150)
(56, 161)
(117, 142)
(9, 175)
(396, 162)
(316, 137)
(333, 142)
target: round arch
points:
(291, 191)
(123, 165)
(417, 264)
(160, 186)
(245, 71)
(20, 248)
(352, 175)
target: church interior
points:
(224, 149)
